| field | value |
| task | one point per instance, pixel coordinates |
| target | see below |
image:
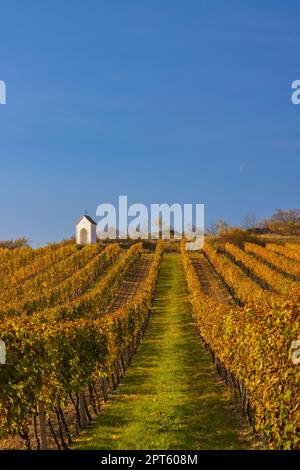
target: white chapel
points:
(85, 231)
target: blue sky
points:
(165, 101)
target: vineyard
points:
(72, 320)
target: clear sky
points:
(165, 101)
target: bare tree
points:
(13, 244)
(222, 227)
(212, 229)
(249, 221)
(292, 216)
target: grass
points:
(170, 397)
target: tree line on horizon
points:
(282, 222)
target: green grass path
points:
(170, 397)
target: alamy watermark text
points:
(165, 221)
(296, 94)
(2, 92)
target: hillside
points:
(73, 318)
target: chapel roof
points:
(88, 218)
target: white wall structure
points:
(85, 231)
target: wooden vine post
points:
(82, 410)
(42, 420)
